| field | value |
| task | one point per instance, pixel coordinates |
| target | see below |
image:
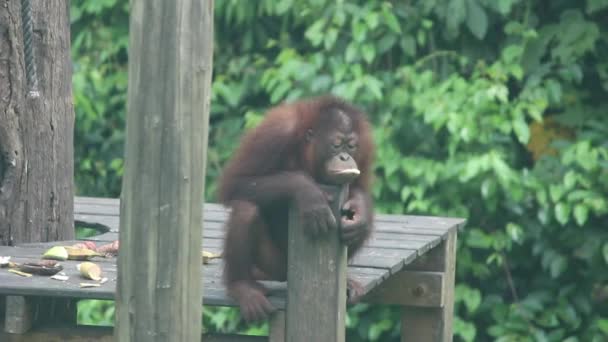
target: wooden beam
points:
(434, 324)
(19, 314)
(88, 333)
(424, 289)
(277, 327)
(316, 295)
(159, 288)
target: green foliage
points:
(493, 110)
(96, 312)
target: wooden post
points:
(36, 123)
(277, 327)
(159, 287)
(316, 278)
(430, 323)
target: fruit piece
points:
(56, 253)
(85, 244)
(80, 253)
(45, 267)
(89, 270)
(23, 274)
(208, 256)
(110, 249)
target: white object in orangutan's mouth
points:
(348, 172)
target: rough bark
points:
(36, 133)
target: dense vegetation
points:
(493, 110)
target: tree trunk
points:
(36, 123)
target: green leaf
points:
(558, 266)
(479, 239)
(603, 323)
(515, 232)
(314, 33)
(391, 21)
(504, 6)
(369, 52)
(359, 31)
(372, 19)
(596, 5)
(477, 20)
(330, 38)
(405, 193)
(556, 192)
(472, 300)
(554, 90)
(605, 252)
(581, 213)
(374, 86)
(456, 15)
(351, 52)
(562, 213)
(570, 180)
(408, 44)
(386, 43)
(466, 330)
(521, 130)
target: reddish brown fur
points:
(273, 167)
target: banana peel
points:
(63, 253)
(77, 253)
(56, 253)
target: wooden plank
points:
(19, 314)
(84, 333)
(216, 212)
(316, 298)
(434, 324)
(62, 334)
(425, 289)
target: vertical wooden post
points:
(316, 278)
(19, 314)
(433, 324)
(277, 327)
(159, 287)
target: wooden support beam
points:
(159, 287)
(277, 327)
(316, 295)
(19, 314)
(433, 324)
(87, 333)
(424, 289)
(24, 313)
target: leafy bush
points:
(490, 110)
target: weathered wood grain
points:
(399, 243)
(316, 274)
(19, 315)
(425, 289)
(159, 288)
(36, 132)
(83, 333)
(434, 324)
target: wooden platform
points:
(396, 243)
